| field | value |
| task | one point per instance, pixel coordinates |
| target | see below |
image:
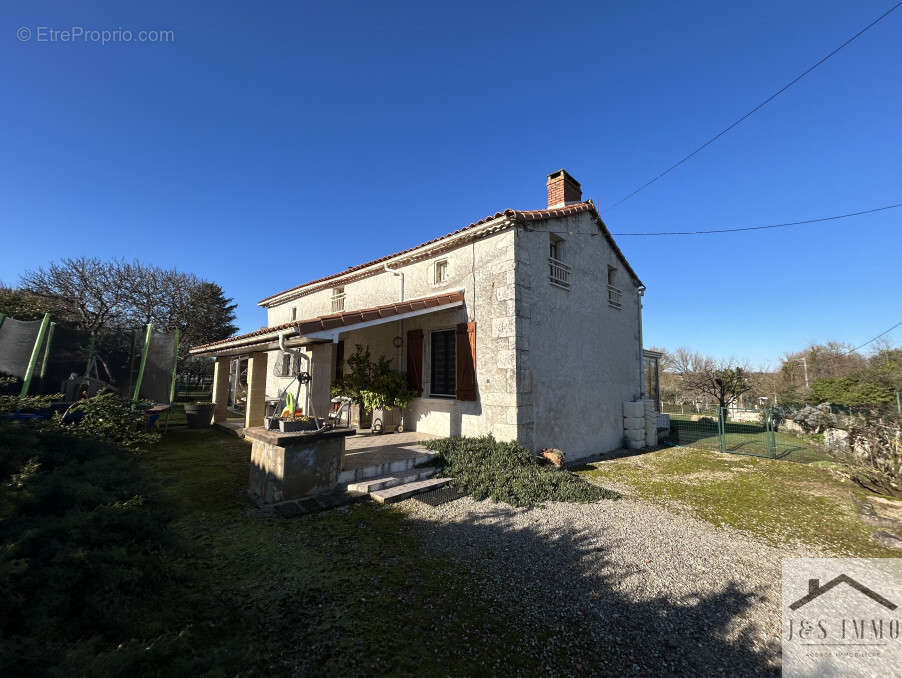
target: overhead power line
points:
(756, 108)
(761, 228)
(870, 341)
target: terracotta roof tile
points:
(345, 319)
(516, 216)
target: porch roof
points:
(325, 328)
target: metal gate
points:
(712, 430)
(752, 438)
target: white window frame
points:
(429, 358)
(338, 299)
(558, 271)
(435, 269)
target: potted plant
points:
(373, 387)
(199, 414)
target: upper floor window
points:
(556, 247)
(294, 312)
(558, 271)
(615, 294)
(338, 299)
(440, 272)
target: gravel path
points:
(638, 589)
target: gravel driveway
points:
(638, 589)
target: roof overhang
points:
(324, 329)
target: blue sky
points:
(274, 143)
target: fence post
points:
(769, 433)
(721, 429)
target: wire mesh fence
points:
(759, 433)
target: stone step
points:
(367, 486)
(384, 469)
(401, 492)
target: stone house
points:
(526, 325)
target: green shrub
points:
(83, 544)
(487, 469)
(106, 417)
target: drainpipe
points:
(641, 291)
(400, 275)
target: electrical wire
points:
(757, 108)
(761, 228)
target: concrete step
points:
(384, 469)
(401, 492)
(373, 484)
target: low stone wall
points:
(288, 466)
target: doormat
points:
(442, 495)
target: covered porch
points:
(314, 347)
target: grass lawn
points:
(347, 592)
(778, 502)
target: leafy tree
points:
(851, 391)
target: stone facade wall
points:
(553, 365)
(578, 359)
(484, 270)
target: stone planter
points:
(289, 426)
(199, 415)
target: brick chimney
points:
(563, 189)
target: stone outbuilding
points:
(526, 325)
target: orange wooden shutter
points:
(415, 361)
(466, 361)
(339, 360)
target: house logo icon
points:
(815, 590)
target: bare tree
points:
(92, 290)
(705, 378)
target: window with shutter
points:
(442, 358)
(339, 360)
(415, 361)
(466, 361)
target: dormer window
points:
(338, 299)
(440, 272)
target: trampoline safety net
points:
(17, 338)
(158, 368)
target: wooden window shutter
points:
(415, 361)
(466, 361)
(339, 360)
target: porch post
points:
(256, 390)
(221, 388)
(322, 364)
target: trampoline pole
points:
(175, 365)
(47, 349)
(147, 336)
(35, 352)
